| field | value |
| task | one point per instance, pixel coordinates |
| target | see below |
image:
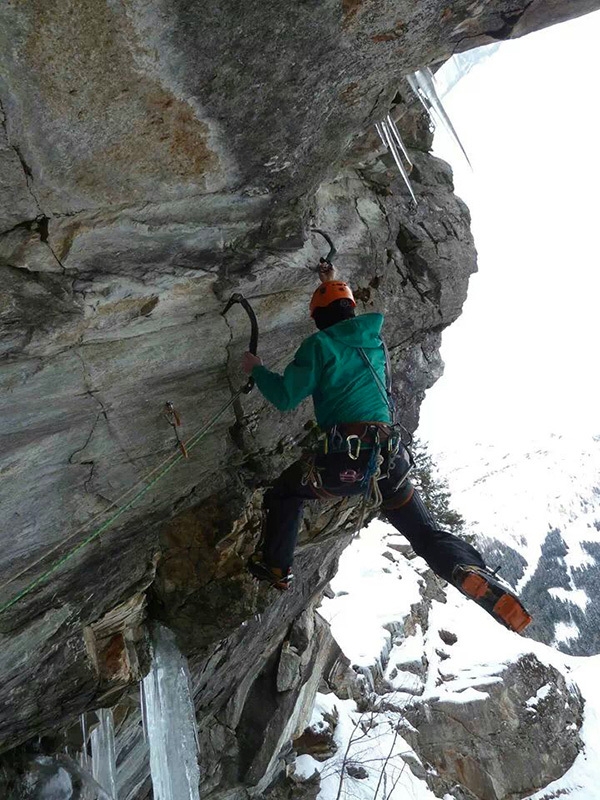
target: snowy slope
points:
(373, 598)
(535, 508)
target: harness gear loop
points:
(311, 475)
(253, 346)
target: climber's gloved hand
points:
(249, 361)
(326, 271)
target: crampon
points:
(493, 594)
(277, 578)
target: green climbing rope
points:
(189, 445)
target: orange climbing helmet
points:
(329, 292)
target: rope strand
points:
(174, 459)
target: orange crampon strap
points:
(507, 608)
(475, 586)
(512, 612)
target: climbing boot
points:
(278, 578)
(493, 594)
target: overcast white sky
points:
(525, 355)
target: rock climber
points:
(345, 367)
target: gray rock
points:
(289, 669)
(318, 740)
(357, 771)
(521, 734)
(448, 637)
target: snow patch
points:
(362, 621)
(541, 693)
(576, 596)
(564, 632)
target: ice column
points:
(171, 722)
(104, 762)
(422, 83)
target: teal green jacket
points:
(328, 365)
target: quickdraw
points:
(253, 346)
(174, 420)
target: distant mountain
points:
(534, 508)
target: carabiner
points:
(349, 443)
(171, 415)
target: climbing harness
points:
(253, 346)
(351, 476)
(387, 394)
(174, 420)
(150, 480)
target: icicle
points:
(188, 679)
(84, 756)
(381, 136)
(388, 140)
(171, 721)
(396, 134)
(104, 763)
(84, 759)
(143, 711)
(423, 85)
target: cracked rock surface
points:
(471, 743)
(155, 156)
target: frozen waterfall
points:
(171, 722)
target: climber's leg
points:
(443, 551)
(320, 477)
(449, 556)
(283, 505)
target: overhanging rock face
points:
(155, 157)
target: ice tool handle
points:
(332, 250)
(253, 346)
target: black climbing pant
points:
(327, 476)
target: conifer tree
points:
(434, 489)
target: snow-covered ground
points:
(374, 593)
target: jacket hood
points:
(363, 331)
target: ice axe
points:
(252, 347)
(325, 264)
